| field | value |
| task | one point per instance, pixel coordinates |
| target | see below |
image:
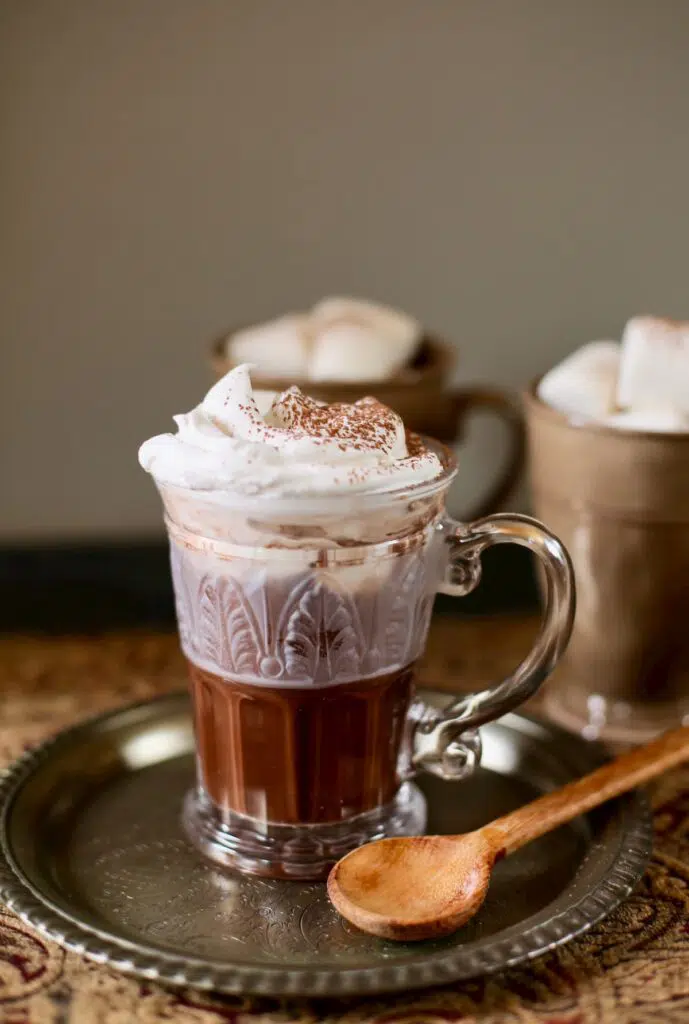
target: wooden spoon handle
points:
(509, 833)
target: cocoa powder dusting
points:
(366, 425)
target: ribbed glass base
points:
(294, 851)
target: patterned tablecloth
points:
(632, 969)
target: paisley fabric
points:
(631, 969)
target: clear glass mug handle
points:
(447, 742)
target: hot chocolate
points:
(303, 598)
(300, 754)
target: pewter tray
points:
(94, 858)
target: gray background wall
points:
(513, 171)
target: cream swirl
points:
(292, 447)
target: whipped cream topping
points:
(235, 442)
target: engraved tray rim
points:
(485, 956)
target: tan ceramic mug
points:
(421, 395)
(619, 501)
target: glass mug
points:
(302, 622)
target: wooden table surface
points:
(632, 969)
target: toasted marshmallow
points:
(583, 385)
(279, 348)
(654, 365)
(661, 421)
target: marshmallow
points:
(662, 421)
(654, 365)
(340, 339)
(356, 340)
(279, 348)
(583, 385)
(389, 323)
(354, 352)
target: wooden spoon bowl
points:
(424, 887)
(413, 888)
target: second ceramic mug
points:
(302, 659)
(421, 395)
(619, 499)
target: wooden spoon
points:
(423, 887)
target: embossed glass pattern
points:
(261, 621)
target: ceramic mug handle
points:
(447, 742)
(479, 398)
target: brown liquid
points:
(300, 755)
